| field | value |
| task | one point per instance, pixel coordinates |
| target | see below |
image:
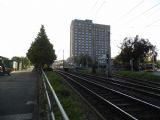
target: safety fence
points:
(52, 99)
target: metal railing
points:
(50, 101)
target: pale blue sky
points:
(20, 21)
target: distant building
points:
(102, 60)
(57, 64)
(3, 58)
(89, 38)
(8, 63)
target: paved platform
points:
(18, 95)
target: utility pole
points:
(131, 64)
(108, 58)
(153, 56)
(63, 58)
(107, 66)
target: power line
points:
(132, 9)
(94, 5)
(152, 23)
(100, 7)
(136, 6)
(144, 12)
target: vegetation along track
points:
(152, 84)
(145, 90)
(112, 104)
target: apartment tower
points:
(89, 38)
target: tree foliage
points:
(135, 49)
(16, 58)
(24, 60)
(41, 51)
(83, 60)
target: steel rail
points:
(133, 87)
(116, 107)
(138, 85)
(84, 99)
(118, 92)
(140, 81)
(148, 89)
(63, 113)
(143, 89)
(154, 107)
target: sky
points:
(20, 22)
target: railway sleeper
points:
(116, 100)
(131, 107)
(124, 105)
(111, 97)
(110, 113)
(133, 110)
(148, 116)
(101, 92)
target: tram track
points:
(111, 103)
(142, 91)
(139, 81)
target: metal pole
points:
(109, 56)
(131, 64)
(63, 58)
(153, 54)
(107, 70)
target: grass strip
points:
(131, 74)
(139, 75)
(74, 107)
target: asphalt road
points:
(18, 95)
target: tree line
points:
(135, 51)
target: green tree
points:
(134, 49)
(41, 51)
(25, 62)
(158, 63)
(16, 58)
(83, 59)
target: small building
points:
(2, 59)
(8, 63)
(102, 60)
(57, 64)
